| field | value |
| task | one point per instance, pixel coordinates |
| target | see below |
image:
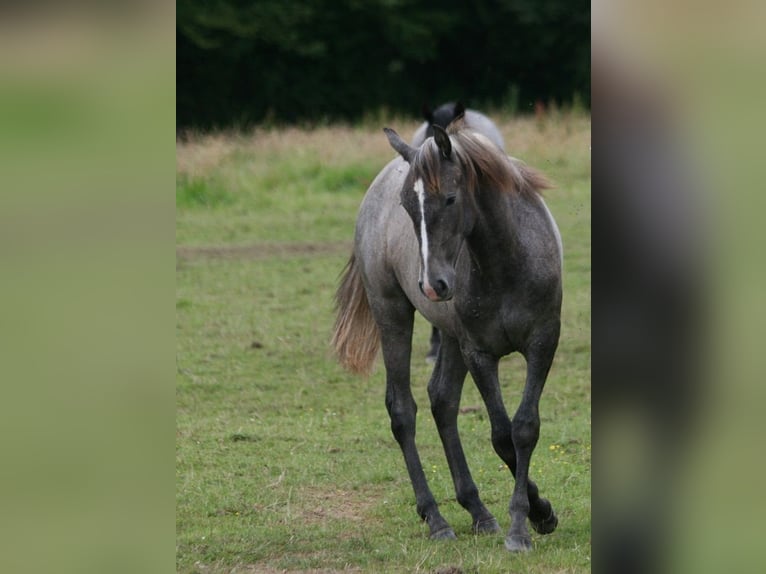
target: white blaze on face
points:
(420, 191)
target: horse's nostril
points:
(441, 287)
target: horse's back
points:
(379, 200)
(384, 236)
(482, 124)
(420, 135)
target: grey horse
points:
(458, 231)
(443, 116)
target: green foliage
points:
(242, 62)
(191, 192)
(285, 462)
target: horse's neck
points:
(494, 232)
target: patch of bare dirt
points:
(262, 250)
(257, 569)
(320, 504)
(469, 409)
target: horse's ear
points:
(459, 110)
(402, 148)
(442, 140)
(428, 114)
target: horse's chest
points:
(488, 324)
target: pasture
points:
(286, 463)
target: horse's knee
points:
(403, 416)
(526, 431)
(444, 408)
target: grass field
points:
(286, 463)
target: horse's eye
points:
(450, 200)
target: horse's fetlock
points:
(466, 497)
(427, 510)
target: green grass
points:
(201, 193)
(284, 461)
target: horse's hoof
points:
(547, 525)
(488, 526)
(518, 543)
(444, 534)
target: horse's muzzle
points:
(439, 291)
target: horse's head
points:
(442, 116)
(435, 195)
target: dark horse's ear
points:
(442, 140)
(404, 150)
(459, 110)
(428, 114)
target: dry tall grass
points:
(533, 139)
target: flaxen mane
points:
(485, 166)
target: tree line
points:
(242, 62)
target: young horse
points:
(457, 230)
(446, 113)
(443, 116)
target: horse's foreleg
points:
(484, 370)
(444, 391)
(526, 431)
(396, 341)
(433, 342)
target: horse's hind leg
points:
(444, 390)
(541, 515)
(395, 321)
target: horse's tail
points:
(356, 337)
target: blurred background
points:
(677, 92)
(242, 63)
